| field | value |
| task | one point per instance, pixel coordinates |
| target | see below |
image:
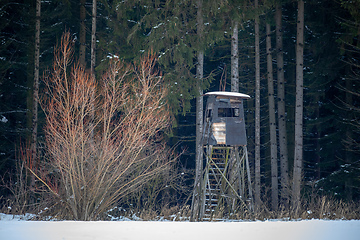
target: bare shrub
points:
(160, 192)
(21, 193)
(103, 141)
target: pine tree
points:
(272, 122)
(257, 111)
(36, 82)
(82, 34)
(346, 175)
(298, 158)
(93, 38)
(235, 57)
(15, 58)
(281, 112)
(199, 109)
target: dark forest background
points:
(128, 29)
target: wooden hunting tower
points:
(224, 185)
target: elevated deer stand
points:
(224, 186)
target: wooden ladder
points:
(215, 188)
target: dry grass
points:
(20, 200)
(166, 213)
(321, 208)
(318, 208)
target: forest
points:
(133, 74)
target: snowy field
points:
(16, 229)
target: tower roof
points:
(228, 95)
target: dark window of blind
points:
(228, 112)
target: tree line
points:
(298, 60)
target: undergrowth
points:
(320, 208)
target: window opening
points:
(228, 112)
(209, 113)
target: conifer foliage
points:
(103, 132)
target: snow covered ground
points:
(16, 229)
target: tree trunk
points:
(199, 117)
(199, 99)
(284, 169)
(36, 83)
(298, 154)
(257, 112)
(199, 110)
(317, 133)
(272, 123)
(349, 130)
(93, 38)
(82, 35)
(93, 54)
(235, 58)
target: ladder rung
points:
(212, 199)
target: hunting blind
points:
(224, 186)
